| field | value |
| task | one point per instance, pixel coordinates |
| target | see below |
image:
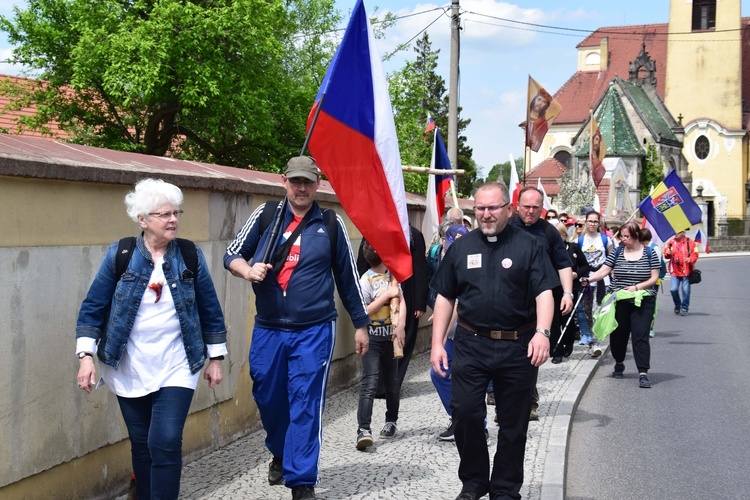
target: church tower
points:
(704, 90)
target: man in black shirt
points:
(529, 220)
(503, 283)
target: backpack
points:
(125, 252)
(434, 257)
(329, 218)
(649, 252)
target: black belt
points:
(497, 334)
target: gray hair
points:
(455, 214)
(148, 195)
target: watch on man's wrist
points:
(543, 331)
(82, 355)
(568, 293)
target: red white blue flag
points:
(699, 241)
(437, 187)
(355, 145)
(430, 124)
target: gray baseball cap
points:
(302, 166)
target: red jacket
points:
(681, 256)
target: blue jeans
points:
(443, 384)
(583, 312)
(675, 284)
(155, 423)
(378, 362)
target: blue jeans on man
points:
(677, 284)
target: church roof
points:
(617, 130)
(549, 171)
(584, 89)
(652, 116)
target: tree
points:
(652, 172)
(417, 89)
(229, 82)
(504, 169)
(575, 192)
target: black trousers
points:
(636, 322)
(476, 361)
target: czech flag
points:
(355, 145)
(437, 187)
(670, 208)
(699, 241)
(430, 124)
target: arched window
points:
(704, 15)
(593, 59)
(563, 157)
(702, 147)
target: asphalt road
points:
(688, 437)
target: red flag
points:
(546, 204)
(541, 111)
(355, 145)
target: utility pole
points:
(453, 86)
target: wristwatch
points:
(543, 331)
(568, 293)
(82, 355)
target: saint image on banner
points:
(541, 112)
(597, 152)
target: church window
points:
(704, 15)
(563, 157)
(702, 147)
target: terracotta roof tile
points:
(8, 117)
(584, 89)
(550, 171)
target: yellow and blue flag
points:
(670, 208)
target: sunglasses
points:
(578, 224)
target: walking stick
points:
(580, 296)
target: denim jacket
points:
(109, 310)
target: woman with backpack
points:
(634, 269)
(152, 326)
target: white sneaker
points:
(596, 351)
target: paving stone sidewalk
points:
(415, 464)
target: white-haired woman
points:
(152, 328)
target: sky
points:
(497, 53)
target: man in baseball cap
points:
(302, 166)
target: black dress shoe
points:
(556, 360)
(468, 495)
(568, 350)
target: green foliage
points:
(652, 172)
(504, 169)
(415, 90)
(217, 81)
(575, 193)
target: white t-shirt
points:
(154, 356)
(594, 250)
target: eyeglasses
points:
(491, 208)
(301, 181)
(167, 215)
(548, 217)
(578, 224)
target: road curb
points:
(553, 480)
